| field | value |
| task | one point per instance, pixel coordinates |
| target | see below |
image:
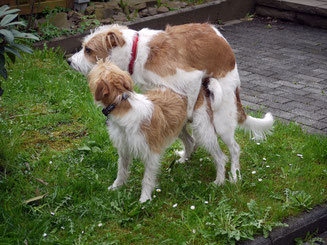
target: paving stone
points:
(308, 114)
(283, 70)
(290, 84)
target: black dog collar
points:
(106, 111)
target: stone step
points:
(310, 12)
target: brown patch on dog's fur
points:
(107, 84)
(99, 46)
(241, 115)
(190, 47)
(168, 118)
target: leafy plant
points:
(295, 200)
(8, 35)
(310, 238)
(225, 223)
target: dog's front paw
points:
(113, 187)
(235, 176)
(219, 182)
(145, 198)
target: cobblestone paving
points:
(283, 69)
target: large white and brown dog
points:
(145, 125)
(179, 58)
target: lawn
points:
(56, 162)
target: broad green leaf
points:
(10, 11)
(3, 72)
(24, 35)
(7, 19)
(22, 48)
(3, 9)
(13, 51)
(84, 148)
(7, 35)
(22, 23)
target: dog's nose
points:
(69, 61)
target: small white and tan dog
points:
(179, 58)
(145, 125)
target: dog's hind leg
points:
(188, 142)
(205, 135)
(122, 174)
(234, 149)
(152, 165)
(225, 121)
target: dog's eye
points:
(87, 50)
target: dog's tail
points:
(257, 127)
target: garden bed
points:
(54, 148)
(217, 11)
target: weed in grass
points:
(52, 131)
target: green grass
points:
(51, 131)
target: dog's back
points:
(168, 118)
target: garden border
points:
(224, 10)
(298, 226)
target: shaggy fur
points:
(145, 125)
(180, 59)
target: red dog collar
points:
(134, 49)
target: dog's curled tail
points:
(215, 93)
(258, 127)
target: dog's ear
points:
(102, 90)
(115, 39)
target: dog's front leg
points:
(152, 164)
(122, 174)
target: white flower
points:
(62, 227)
(45, 234)
(192, 207)
(201, 159)
(193, 231)
(158, 190)
(82, 232)
(206, 202)
(259, 180)
(254, 172)
(258, 143)
(300, 155)
(52, 213)
(264, 159)
(50, 162)
(154, 196)
(290, 164)
(99, 225)
(267, 166)
(175, 205)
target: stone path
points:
(283, 69)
